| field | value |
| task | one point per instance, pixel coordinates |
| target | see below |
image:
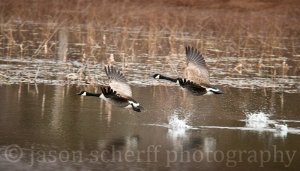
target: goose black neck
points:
(167, 78)
(93, 94)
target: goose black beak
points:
(138, 108)
(219, 92)
(80, 93)
(141, 107)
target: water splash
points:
(281, 127)
(281, 130)
(177, 126)
(261, 122)
(257, 120)
(176, 123)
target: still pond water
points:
(47, 127)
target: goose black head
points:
(136, 106)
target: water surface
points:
(46, 127)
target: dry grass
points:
(218, 27)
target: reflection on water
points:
(175, 132)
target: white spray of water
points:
(281, 127)
(176, 124)
(257, 120)
(281, 130)
(261, 121)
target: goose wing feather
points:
(196, 69)
(118, 82)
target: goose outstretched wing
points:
(118, 82)
(196, 69)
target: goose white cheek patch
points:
(134, 104)
(102, 97)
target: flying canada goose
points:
(196, 75)
(118, 92)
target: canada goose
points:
(118, 92)
(196, 75)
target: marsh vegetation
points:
(249, 39)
